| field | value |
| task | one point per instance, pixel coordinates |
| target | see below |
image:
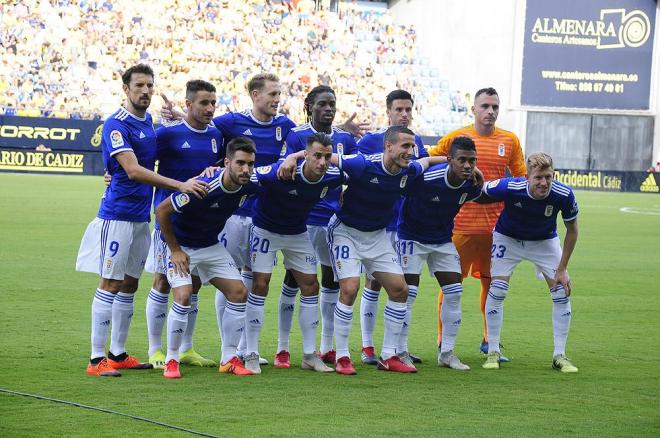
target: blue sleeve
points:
(497, 189)
(293, 143)
(569, 209)
(116, 136)
(351, 147)
(415, 169)
(266, 175)
(353, 165)
(184, 201)
(420, 147)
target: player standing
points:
(320, 107)
(184, 149)
(280, 214)
(425, 224)
(499, 151)
(399, 104)
(116, 242)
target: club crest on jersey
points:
(243, 198)
(548, 210)
(324, 192)
(214, 146)
(116, 140)
(182, 199)
(283, 150)
(403, 182)
(463, 198)
(501, 149)
(340, 148)
(278, 133)
(264, 169)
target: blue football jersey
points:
(197, 222)
(526, 218)
(343, 143)
(268, 136)
(127, 200)
(374, 143)
(183, 152)
(431, 203)
(368, 202)
(282, 206)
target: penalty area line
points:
(635, 210)
(107, 411)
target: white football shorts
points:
(296, 248)
(114, 249)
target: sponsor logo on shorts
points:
(116, 140)
(338, 264)
(405, 260)
(548, 210)
(182, 199)
(108, 263)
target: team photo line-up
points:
(233, 190)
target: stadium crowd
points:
(58, 56)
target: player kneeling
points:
(527, 230)
(424, 231)
(190, 227)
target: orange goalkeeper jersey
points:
(495, 153)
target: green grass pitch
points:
(614, 340)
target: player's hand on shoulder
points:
(107, 178)
(194, 187)
(287, 169)
(167, 111)
(561, 277)
(209, 171)
(358, 129)
(180, 262)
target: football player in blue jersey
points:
(184, 149)
(527, 230)
(320, 107)
(399, 108)
(116, 242)
(357, 236)
(268, 129)
(425, 225)
(279, 224)
(190, 227)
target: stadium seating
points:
(63, 59)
